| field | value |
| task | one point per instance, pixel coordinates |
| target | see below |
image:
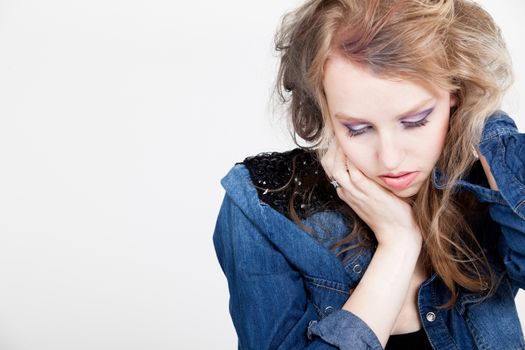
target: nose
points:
(391, 152)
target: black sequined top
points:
(280, 176)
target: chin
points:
(408, 192)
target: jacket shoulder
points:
(294, 176)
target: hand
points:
(488, 173)
(390, 218)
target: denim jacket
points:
(287, 288)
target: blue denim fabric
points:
(287, 288)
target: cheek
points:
(441, 134)
(434, 140)
(358, 153)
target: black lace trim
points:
(281, 176)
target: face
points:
(387, 127)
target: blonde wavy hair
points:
(453, 44)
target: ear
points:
(453, 100)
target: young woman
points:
(402, 225)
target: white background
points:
(117, 121)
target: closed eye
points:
(421, 119)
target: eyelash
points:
(408, 125)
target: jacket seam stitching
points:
(496, 133)
(330, 288)
(516, 181)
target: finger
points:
(339, 166)
(363, 182)
(355, 174)
(328, 159)
(340, 173)
(332, 166)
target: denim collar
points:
(482, 191)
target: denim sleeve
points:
(345, 330)
(268, 302)
(504, 148)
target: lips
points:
(400, 181)
(398, 174)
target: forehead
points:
(355, 90)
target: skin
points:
(359, 99)
(488, 172)
(356, 162)
(371, 120)
(387, 145)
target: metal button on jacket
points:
(431, 316)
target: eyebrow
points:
(412, 111)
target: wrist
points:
(403, 243)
